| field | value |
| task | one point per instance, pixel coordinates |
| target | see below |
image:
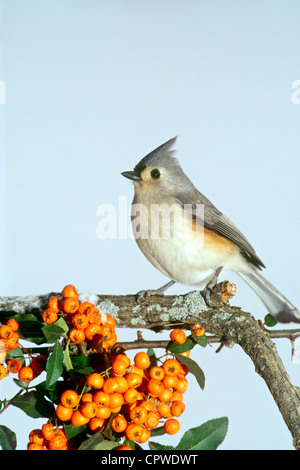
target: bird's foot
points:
(143, 294)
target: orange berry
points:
(110, 385)
(131, 395)
(152, 420)
(95, 424)
(116, 400)
(95, 380)
(49, 316)
(171, 367)
(107, 330)
(3, 372)
(6, 332)
(84, 306)
(103, 412)
(94, 315)
(177, 408)
(55, 304)
(119, 366)
(138, 414)
(178, 336)
(119, 423)
(63, 413)
(14, 366)
(164, 409)
(13, 342)
(87, 398)
(165, 395)
(122, 384)
(70, 305)
(80, 321)
(172, 426)
(3, 356)
(76, 336)
(155, 387)
(48, 431)
(170, 381)
(26, 374)
(36, 436)
(101, 398)
(70, 291)
(156, 373)
(182, 385)
(92, 330)
(136, 370)
(145, 435)
(148, 404)
(77, 419)
(58, 442)
(134, 380)
(198, 330)
(69, 399)
(110, 341)
(177, 396)
(110, 320)
(123, 357)
(13, 324)
(123, 447)
(142, 360)
(33, 446)
(134, 432)
(89, 409)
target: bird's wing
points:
(217, 222)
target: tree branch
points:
(226, 323)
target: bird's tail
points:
(278, 305)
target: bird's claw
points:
(206, 292)
(143, 294)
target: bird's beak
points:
(131, 175)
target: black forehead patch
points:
(139, 167)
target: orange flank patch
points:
(217, 242)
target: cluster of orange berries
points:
(87, 322)
(129, 399)
(47, 438)
(9, 340)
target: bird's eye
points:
(155, 174)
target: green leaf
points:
(201, 340)
(8, 439)
(15, 354)
(97, 442)
(33, 404)
(157, 446)
(55, 330)
(72, 431)
(270, 321)
(55, 363)
(68, 362)
(153, 358)
(53, 392)
(30, 328)
(208, 436)
(193, 368)
(180, 348)
(159, 431)
(82, 364)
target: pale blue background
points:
(91, 87)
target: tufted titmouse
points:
(200, 240)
